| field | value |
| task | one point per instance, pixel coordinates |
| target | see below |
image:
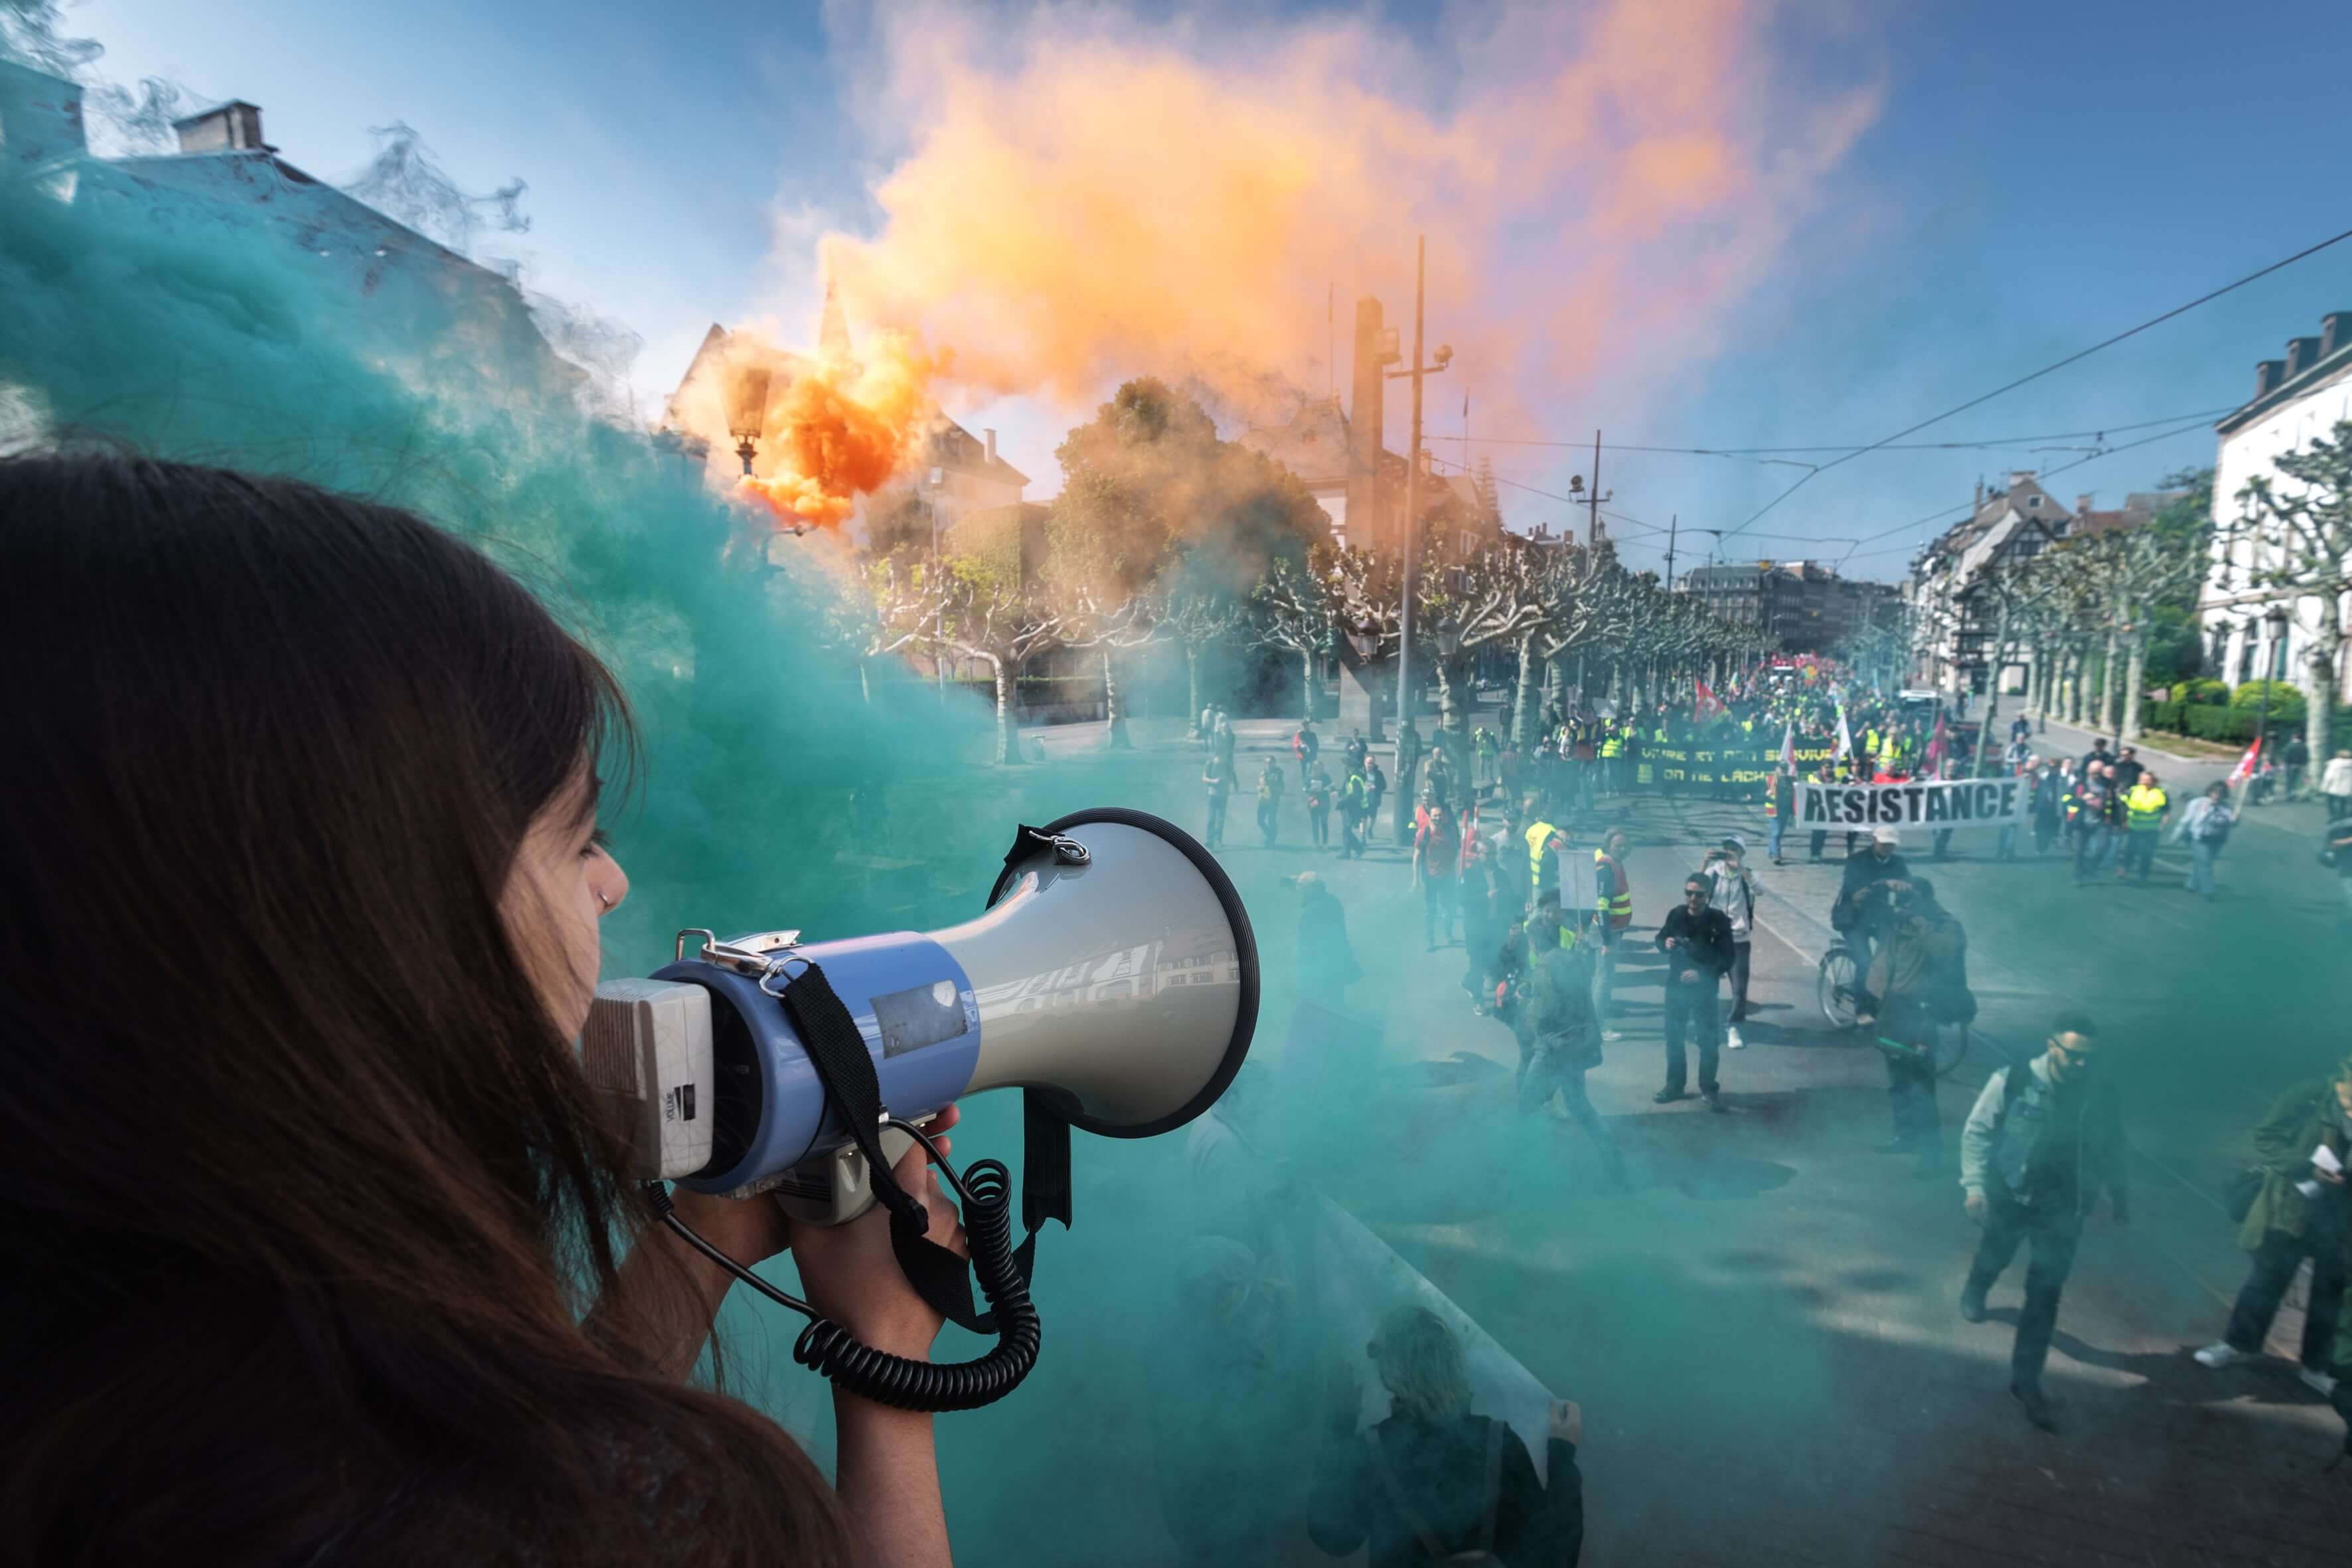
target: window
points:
(2033, 503)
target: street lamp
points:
(747, 413)
(1416, 373)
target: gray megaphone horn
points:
(1114, 974)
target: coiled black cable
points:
(826, 1347)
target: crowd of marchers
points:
(1520, 857)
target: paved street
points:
(1763, 1333)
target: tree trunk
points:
(2319, 680)
(1008, 726)
(1312, 684)
(1526, 712)
(1114, 707)
(864, 689)
(2110, 699)
(1453, 688)
(2134, 674)
(1193, 683)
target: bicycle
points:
(1839, 991)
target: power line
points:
(1965, 506)
(1984, 443)
(2075, 358)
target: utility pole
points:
(1411, 539)
(1673, 525)
(1592, 529)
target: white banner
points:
(1958, 802)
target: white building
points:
(2295, 399)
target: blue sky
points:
(2040, 177)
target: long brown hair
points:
(304, 1196)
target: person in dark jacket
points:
(1921, 962)
(2303, 1209)
(1697, 941)
(1327, 963)
(1560, 1042)
(1432, 1479)
(2046, 1138)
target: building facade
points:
(1955, 620)
(2296, 398)
(1805, 606)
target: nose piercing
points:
(602, 898)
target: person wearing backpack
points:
(2295, 1207)
(2206, 825)
(1913, 986)
(1434, 1484)
(1560, 1042)
(2046, 1138)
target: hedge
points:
(2285, 699)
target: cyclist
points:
(1918, 981)
(1855, 918)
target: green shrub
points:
(2226, 724)
(2215, 691)
(2286, 700)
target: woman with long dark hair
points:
(316, 1252)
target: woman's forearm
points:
(888, 1473)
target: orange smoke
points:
(826, 429)
(1598, 183)
(839, 431)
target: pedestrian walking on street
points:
(2093, 812)
(1561, 1042)
(1270, 786)
(1734, 893)
(2297, 757)
(2335, 783)
(2336, 850)
(1613, 900)
(2046, 1138)
(2049, 804)
(2125, 770)
(1319, 809)
(1352, 796)
(1219, 776)
(1326, 960)
(1915, 985)
(2300, 1208)
(1221, 739)
(1485, 919)
(2206, 826)
(1779, 805)
(1826, 776)
(2146, 807)
(1376, 784)
(1305, 745)
(1697, 941)
(1436, 862)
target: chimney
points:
(1366, 427)
(989, 436)
(2302, 354)
(2082, 503)
(2335, 332)
(233, 127)
(2268, 374)
(1980, 506)
(2020, 476)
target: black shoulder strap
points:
(838, 1053)
(1493, 1509)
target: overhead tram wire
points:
(2075, 358)
(1987, 443)
(1964, 506)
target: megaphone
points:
(1114, 974)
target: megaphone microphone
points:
(1113, 977)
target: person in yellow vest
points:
(1613, 907)
(1613, 750)
(1543, 839)
(2145, 806)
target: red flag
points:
(1706, 705)
(1936, 746)
(2245, 768)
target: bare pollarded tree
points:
(2295, 530)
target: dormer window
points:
(2033, 503)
